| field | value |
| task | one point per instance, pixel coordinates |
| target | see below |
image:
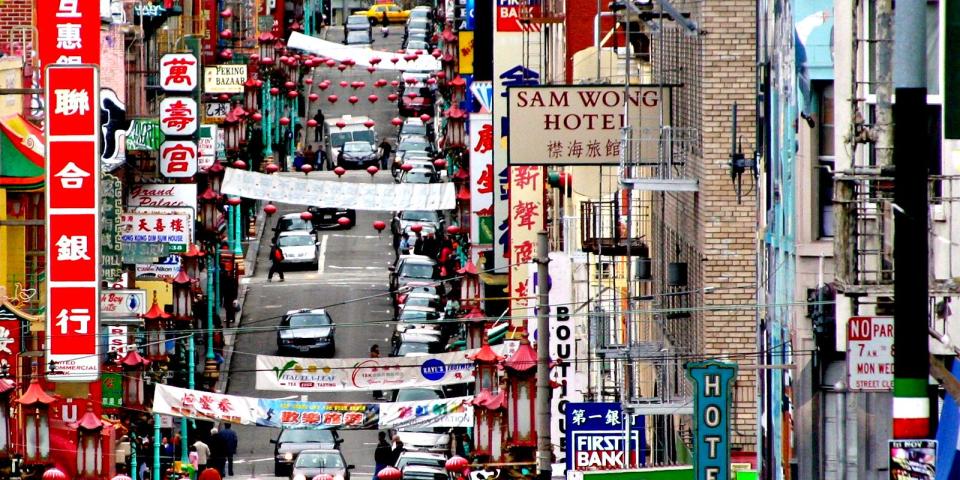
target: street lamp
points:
(458, 89)
(521, 369)
(89, 455)
(133, 365)
(182, 296)
(456, 127)
(215, 176)
(487, 361)
(191, 260)
(488, 431)
(154, 322)
(35, 406)
(209, 201)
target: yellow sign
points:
(466, 52)
(159, 289)
(224, 78)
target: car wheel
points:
(277, 470)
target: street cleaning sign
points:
(712, 381)
(595, 437)
(870, 354)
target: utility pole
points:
(544, 392)
(911, 405)
(884, 75)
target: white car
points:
(299, 247)
(424, 439)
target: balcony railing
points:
(605, 229)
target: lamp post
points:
(455, 135)
(521, 369)
(35, 406)
(89, 455)
(267, 61)
(133, 365)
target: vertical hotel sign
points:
(712, 381)
(73, 232)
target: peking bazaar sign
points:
(581, 124)
(73, 222)
(68, 32)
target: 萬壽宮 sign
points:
(163, 195)
(224, 78)
(870, 353)
(712, 382)
(178, 72)
(72, 97)
(595, 437)
(179, 116)
(581, 124)
(178, 158)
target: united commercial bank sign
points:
(581, 124)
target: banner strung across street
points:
(386, 197)
(362, 374)
(444, 412)
(182, 402)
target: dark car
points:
(358, 155)
(291, 442)
(329, 217)
(413, 268)
(358, 37)
(419, 175)
(416, 106)
(307, 331)
(292, 222)
(407, 218)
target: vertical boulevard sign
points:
(712, 381)
(580, 124)
(73, 231)
(870, 354)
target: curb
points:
(229, 338)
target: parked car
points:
(416, 45)
(419, 176)
(299, 247)
(423, 12)
(328, 217)
(423, 459)
(424, 439)
(418, 143)
(418, 394)
(412, 268)
(422, 472)
(358, 155)
(414, 126)
(348, 128)
(432, 219)
(417, 25)
(292, 222)
(395, 14)
(424, 300)
(311, 463)
(307, 331)
(357, 23)
(358, 38)
(292, 442)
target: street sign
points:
(178, 116)
(712, 383)
(117, 339)
(224, 78)
(123, 303)
(595, 437)
(870, 353)
(172, 231)
(178, 158)
(68, 32)
(72, 94)
(178, 72)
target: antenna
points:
(738, 163)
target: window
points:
(824, 166)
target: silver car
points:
(307, 331)
(311, 463)
(299, 248)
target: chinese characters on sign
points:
(224, 78)
(178, 72)
(72, 219)
(481, 183)
(68, 32)
(526, 216)
(178, 158)
(595, 437)
(178, 116)
(174, 231)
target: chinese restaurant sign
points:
(595, 434)
(172, 230)
(178, 116)
(178, 72)
(712, 381)
(526, 220)
(163, 195)
(68, 32)
(580, 124)
(73, 222)
(481, 180)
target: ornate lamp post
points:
(268, 48)
(458, 89)
(154, 322)
(35, 408)
(209, 201)
(7, 387)
(449, 56)
(89, 455)
(521, 369)
(133, 365)
(191, 261)
(456, 135)
(215, 176)
(183, 296)
(488, 424)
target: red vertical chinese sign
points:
(527, 219)
(72, 95)
(68, 31)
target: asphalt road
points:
(353, 264)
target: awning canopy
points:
(21, 154)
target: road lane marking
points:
(355, 268)
(323, 254)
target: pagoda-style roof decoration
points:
(182, 278)
(155, 311)
(134, 359)
(35, 394)
(490, 401)
(193, 251)
(524, 359)
(7, 386)
(89, 421)
(485, 354)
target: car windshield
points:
(294, 223)
(357, 147)
(309, 320)
(406, 460)
(417, 270)
(413, 129)
(415, 316)
(306, 436)
(417, 394)
(418, 14)
(424, 476)
(337, 139)
(417, 45)
(295, 240)
(419, 216)
(413, 145)
(420, 302)
(357, 20)
(418, 23)
(407, 348)
(319, 460)
(417, 177)
(358, 36)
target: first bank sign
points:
(712, 382)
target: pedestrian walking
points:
(383, 455)
(194, 458)
(385, 150)
(218, 452)
(310, 157)
(397, 450)
(276, 263)
(166, 454)
(318, 130)
(230, 441)
(375, 353)
(203, 454)
(385, 30)
(404, 247)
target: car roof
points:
(322, 450)
(420, 259)
(318, 311)
(413, 121)
(423, 469)
(429, 455)
(408, 337)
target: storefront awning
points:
(21, 154)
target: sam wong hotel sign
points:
(580, 124)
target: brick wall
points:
(14, 13)
(708, 229)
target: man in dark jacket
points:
(385, 150)
(230, 443)
(383, 455)
(218, 451)
(318, 130)
(276, 263)
(397, 450)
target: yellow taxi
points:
(394, 13)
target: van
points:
(353, 130)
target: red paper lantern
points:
(341, 124)
(372, 170)
(272, 168)
(234, 201)
(332, 98)
(258, 82)
(331, 62)
(374, 60)
(369, 123)
(453, 230)
(373, 98)
(239, 164)
(257, 116)
(269, 209)
(416, 228)
(411, 95)
(371, 69)
(349, 61)
(289, 85)
(323, 86)
(440, 163)
(274, 90)
(313, 97)
(441, 75)
(227, 12)
(389, 473)
(406, 167)
(456, 464)
(396, 121)
(311, 123)
(339, 171)
(425, 118)
(341, 67)
(379, 225)
(306, 216)
(395, 60)
(392, 97)
(306, 168)
(431, 81)
(226, 54)
(343, 84)
(266, 61)
(353, 99)
(224, 97)
(292, 94)
(343, 221)
(284, 121)
(308, 81)
(394, 83)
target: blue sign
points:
(712, 381)
(595, 436)
(433, 369)
(468, 12)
